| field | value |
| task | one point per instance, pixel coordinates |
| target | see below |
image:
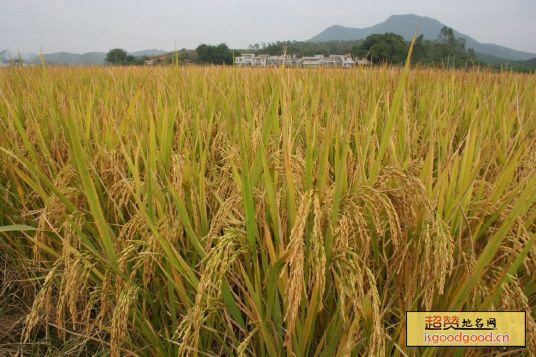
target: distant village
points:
(254, 60)
(262, 60)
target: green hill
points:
(406, 25)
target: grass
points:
(265, 212)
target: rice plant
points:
(260, 212)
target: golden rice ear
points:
(347, 269)
(216, 265)
(296, 259)
(377, 341)
(221, 218)
(110, 166)
(243, 346)
(127, 299)
(43, 301)
(54, 215)
(317, 253)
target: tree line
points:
(390, 48)
(120, 57)
(446, 50)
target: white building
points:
(344, 61)
(252, 60)
(312, 61)
(285, 60)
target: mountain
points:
(529, 65)
(405, 25)
(67, 58)
(74, 58)
(494, 60)
(531, 62)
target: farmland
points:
(263, 212)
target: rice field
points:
(260, 212)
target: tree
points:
(449, 50)
(447, 38)
(305, 48)
(446, 35)
(420, 49)
(117, 56)
(385, 48)
(358, 52)
(219, 54)
(120, 57)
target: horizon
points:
(62, 26)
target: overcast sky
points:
(99, 25)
